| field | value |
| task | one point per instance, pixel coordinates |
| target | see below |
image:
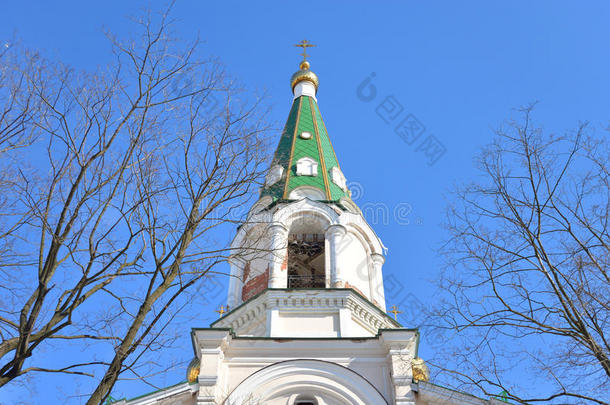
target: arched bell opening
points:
(305, 400)
(306, 259)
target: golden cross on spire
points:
(304, 44)
(221, 311)
(394, 311)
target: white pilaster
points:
(236, 282)
(278, 277)
(273, 316)
(376, 279)
(210, 345)
(345, 321)
(401, 351)
(334, 235)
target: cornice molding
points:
(306, 301)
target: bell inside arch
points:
(306, 260)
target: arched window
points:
(307, 192)
(305, 400)
(307, 167)
(306, 256)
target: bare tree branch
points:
(119, 186)
(527, 279)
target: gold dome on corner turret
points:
(192, 371)
(420, 370)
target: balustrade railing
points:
(296, 281)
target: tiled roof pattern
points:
(304, 116)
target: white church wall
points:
(354, 261)
(251, 266)
(377, 372)
(307, 325)
(357, 328)
(333, 371)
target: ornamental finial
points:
(394, 311)
(304, 44)
(220, 311)
(192, 371)
(420, 370)
(304, 74)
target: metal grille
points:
(295, 281)
(306, 237)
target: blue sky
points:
(460, 68)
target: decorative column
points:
(236, 281)
(401, 345)
(278, 277)
(334, 236)
(211, 346)
(376, 280)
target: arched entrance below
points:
(320, 382)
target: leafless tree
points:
(18, 106)
(118, 186)
(527, 288)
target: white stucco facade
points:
(331, 345)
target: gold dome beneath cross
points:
(304, 75)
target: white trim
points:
(306, 192)
(274, 175)
(256, 312)
(163, 394)
(319, 378)
(307, 166)
(338, 178)
(305, 88)
(260, 205)
(435, 394)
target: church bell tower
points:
(307, 321)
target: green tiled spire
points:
(305, 117)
